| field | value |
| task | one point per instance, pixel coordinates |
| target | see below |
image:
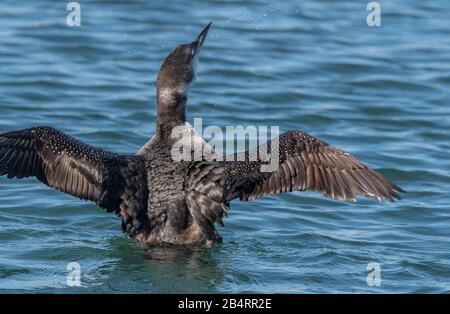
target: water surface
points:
(381, 93)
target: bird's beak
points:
(202, 36)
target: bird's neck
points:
(171, 111)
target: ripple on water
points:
(380, 93)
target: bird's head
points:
(177, 72)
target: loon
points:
(163, 201)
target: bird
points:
(171, 202)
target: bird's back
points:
(167, 212)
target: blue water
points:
(381, 93)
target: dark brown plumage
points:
(116, 183)
(305, 163)
(164, 201)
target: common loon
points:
(167, 202)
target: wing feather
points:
(81, 170)
(307, 163)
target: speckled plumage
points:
(114, 182)
(164, 201)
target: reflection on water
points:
(168, 269)
(170, 253)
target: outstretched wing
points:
(115, 182)
(306, 163)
